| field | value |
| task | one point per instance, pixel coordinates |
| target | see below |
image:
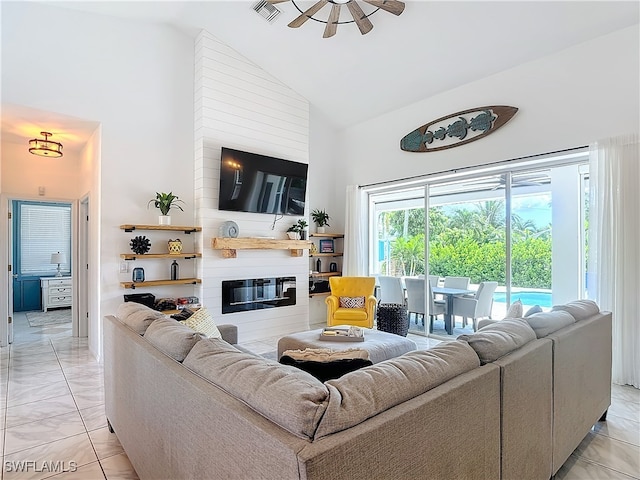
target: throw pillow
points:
(515, 310)
(351, 302)
(202, 322)
(532, 310)
(500, 338)
(545, 323)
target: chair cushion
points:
(545, 323)
(137, 316)
(499, 339)
(350, 314)
(171, 337)
(351, 302)
(362, 394)
(285, 395)
(579, 309)
(202, 322)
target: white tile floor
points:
(52, 414)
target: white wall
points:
(135, 79)
(566, 100)
(239, 105)
(23, 173)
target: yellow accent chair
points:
(351, 287)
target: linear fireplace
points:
(257, 293)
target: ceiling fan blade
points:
(332, 21)
(276, 1)
(391, 6)
(364, 24)
(308, 14)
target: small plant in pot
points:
(165, 202)
(297, 230)
(302, 225)
(293, 232)
(321, 219)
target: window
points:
(43, 229)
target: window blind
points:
(44, 229)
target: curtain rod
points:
(470, 167)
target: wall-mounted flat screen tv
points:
(255, 183)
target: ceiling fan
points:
(359, 17)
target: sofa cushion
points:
(500, 338)
(369, 391)
(326, 364)
(171, 337)
(137, 317)
(351, 302)
(202, 322)
(545, 323)
(285, 395)
(579, 309)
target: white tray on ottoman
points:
(380, 345)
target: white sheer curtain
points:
(614, 246)
(355, 234)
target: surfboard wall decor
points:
(457, 129)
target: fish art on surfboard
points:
(457, 129)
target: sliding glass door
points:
(522, 228)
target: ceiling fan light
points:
(340, 2)
(45, 147)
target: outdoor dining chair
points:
(476, 306)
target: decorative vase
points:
(164, 220)
(293, 235)
(320, 229)
(175, 246)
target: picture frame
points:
(326, 246)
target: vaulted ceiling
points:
(432, 47)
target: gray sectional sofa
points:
(483, 407)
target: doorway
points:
(42, 239)
(41, 235)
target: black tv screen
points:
(255, 183)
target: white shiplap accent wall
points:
(239, 105)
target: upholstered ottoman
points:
(380, 345)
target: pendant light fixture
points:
(45, 147)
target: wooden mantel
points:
(230, 245)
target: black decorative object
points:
(465, 126)
(392, 318)
(140, 245)
(175, 270)
(138, 275)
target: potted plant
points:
(165, 202)
(302, 225)
(321, 219)
(293, 232)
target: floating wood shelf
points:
(319, 294)
(327, 235)
(325, 274)
(153, 283)
(169, 228)
(326, 254)
(183, 256)
(229, 246)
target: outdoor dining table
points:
(449, 294)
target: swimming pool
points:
(526, 297)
